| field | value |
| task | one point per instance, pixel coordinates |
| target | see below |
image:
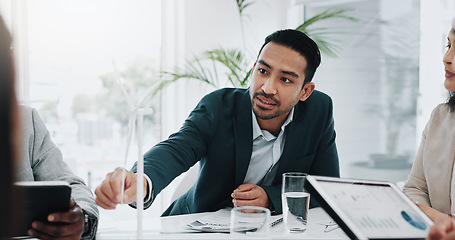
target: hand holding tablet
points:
(41, 198)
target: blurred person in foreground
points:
(28, 154)
(9, 223)
(431, 184)
(244, 139)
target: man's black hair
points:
(300, 42)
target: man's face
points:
(277, 80)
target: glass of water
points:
(250, 220)
(295, 202)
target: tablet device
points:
(39, 199)
(369, 209)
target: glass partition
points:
(374, 82)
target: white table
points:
(174, 227)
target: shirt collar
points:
(257, 131)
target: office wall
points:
(372, 79)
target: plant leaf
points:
(317, 34)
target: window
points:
(70, 53)
(374, 84)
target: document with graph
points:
(370, 209)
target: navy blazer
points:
(218, 133)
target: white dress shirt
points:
(266, 152)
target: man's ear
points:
(306, 91)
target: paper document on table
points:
(213, 222)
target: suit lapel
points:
(243, 134)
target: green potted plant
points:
(234, 63)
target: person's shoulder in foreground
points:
(42, 160)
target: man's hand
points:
(250, 195)
(62, 225)
(443, 228)
(109, 193)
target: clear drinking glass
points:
(295, 202)
(250, 220)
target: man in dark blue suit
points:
(244, 139)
